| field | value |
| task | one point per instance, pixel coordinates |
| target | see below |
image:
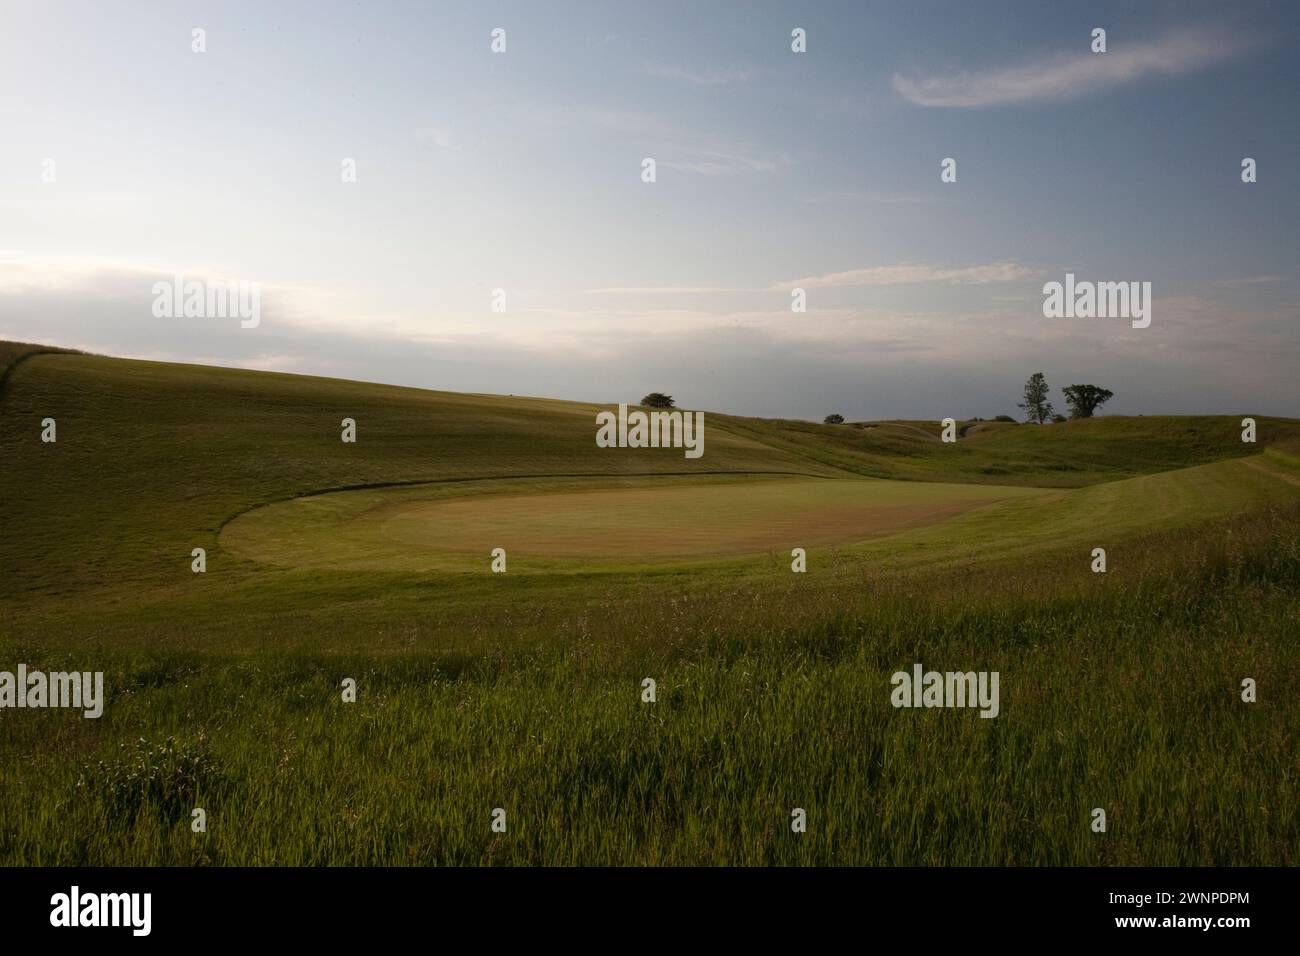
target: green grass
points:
(590, 524)
(1068, 455)
(522, 690)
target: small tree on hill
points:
(658, 400)
(1037, 407)
(834, 419)
(1086, 399)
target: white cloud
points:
(874, 198)
(714, 77)
(1068, 75)
(909, 273)
(708, 162)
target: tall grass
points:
(1117, 692)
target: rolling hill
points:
(371, 560)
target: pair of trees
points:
(1082, 399)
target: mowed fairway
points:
(591, 521)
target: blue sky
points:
(521, 171)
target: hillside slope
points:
(154, 459)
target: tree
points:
(658, 400)
(834, 419)
(1086, 399)
(1037, 407)
(1058, 418)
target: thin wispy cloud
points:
(720, 76)
(912, 273)
(441, 136)
(705, 154)
(872, 198)
(709, 162)
(1073, 74)
(662, 290)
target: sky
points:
(522, 171)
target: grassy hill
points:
(153, 459)
(1068, 455)
(370, 560)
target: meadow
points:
(523, 690)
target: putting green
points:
(602, 520)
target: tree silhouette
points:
(1086, 399)
(1037, 407)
